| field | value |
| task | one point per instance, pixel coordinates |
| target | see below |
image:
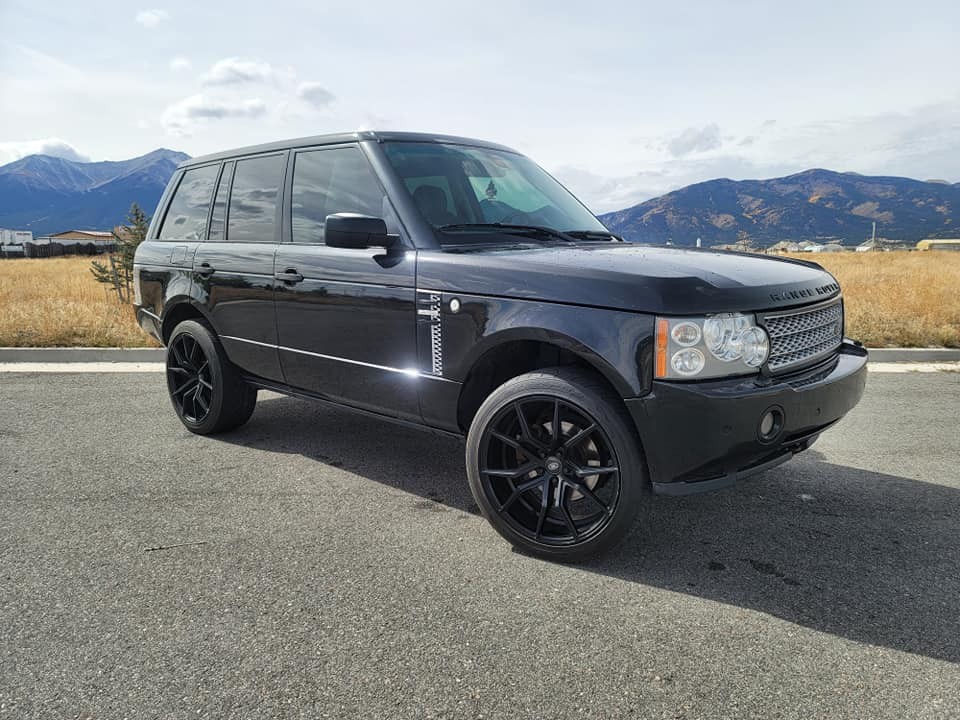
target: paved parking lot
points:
(320, 564)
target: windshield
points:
(459, 188)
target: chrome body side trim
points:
(411, 372)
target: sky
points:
(622, 101)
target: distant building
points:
(71, 242)
(881, 244)
(784, 246)
(939, 244)
(829, 248)
(85, 236)
(15, 237)
(98, 238)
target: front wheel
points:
(205, 388)
(555, 465)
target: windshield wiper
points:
(594, 235)
(510, 228)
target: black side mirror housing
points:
(352, 230)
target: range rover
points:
(452, 284)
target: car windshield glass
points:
(463, 189)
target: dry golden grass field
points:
(899, 299)
(892, 299)
(56, 302)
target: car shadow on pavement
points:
(870, 557)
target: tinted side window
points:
(218, 219)
(326, 182)
(253, 200)
(186, 217)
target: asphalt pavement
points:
(319, 564)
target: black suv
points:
(454, 285)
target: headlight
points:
(709, 347)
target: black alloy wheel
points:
(206, 389)
(551, 470)
(555, 464)
(189, 378)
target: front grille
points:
(799, 337)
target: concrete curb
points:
(67, 354)
(143, 355)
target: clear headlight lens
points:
(722, 333)
(688, 362)
(754, 346)
(686, 333)
(709, 347)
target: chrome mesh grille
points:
(802, 336)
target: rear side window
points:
(186, 218)
(332, 181)
(253, 200)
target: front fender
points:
(618, 344)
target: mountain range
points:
(48, 194)
(811, 205)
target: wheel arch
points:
(176, 311)
(515, 351)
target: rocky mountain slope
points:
(811, 205)
(48, 194)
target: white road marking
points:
(907, 367)
(81, 367)
(139, 367)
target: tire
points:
(536, 486)
(206, 389)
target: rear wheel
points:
(555, 465)
(206, 390)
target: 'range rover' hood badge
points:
(828, 289)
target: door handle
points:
(205, 269)
(290, 275)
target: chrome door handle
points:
(290, 275)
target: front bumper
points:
(705, 435)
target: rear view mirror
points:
(351, 230)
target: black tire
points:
(206, 390)
(535, 485)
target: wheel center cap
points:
(553, 465)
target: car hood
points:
(625, 276)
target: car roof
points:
(337, 138)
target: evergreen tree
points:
(118, 270)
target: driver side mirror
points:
(352, 230)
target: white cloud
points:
(602, 194)
(10, 151)
(183, 116)
(315, 94)
(180, 63)
(694, 140)
(235, 71)
(151, 18)
(920, 142)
